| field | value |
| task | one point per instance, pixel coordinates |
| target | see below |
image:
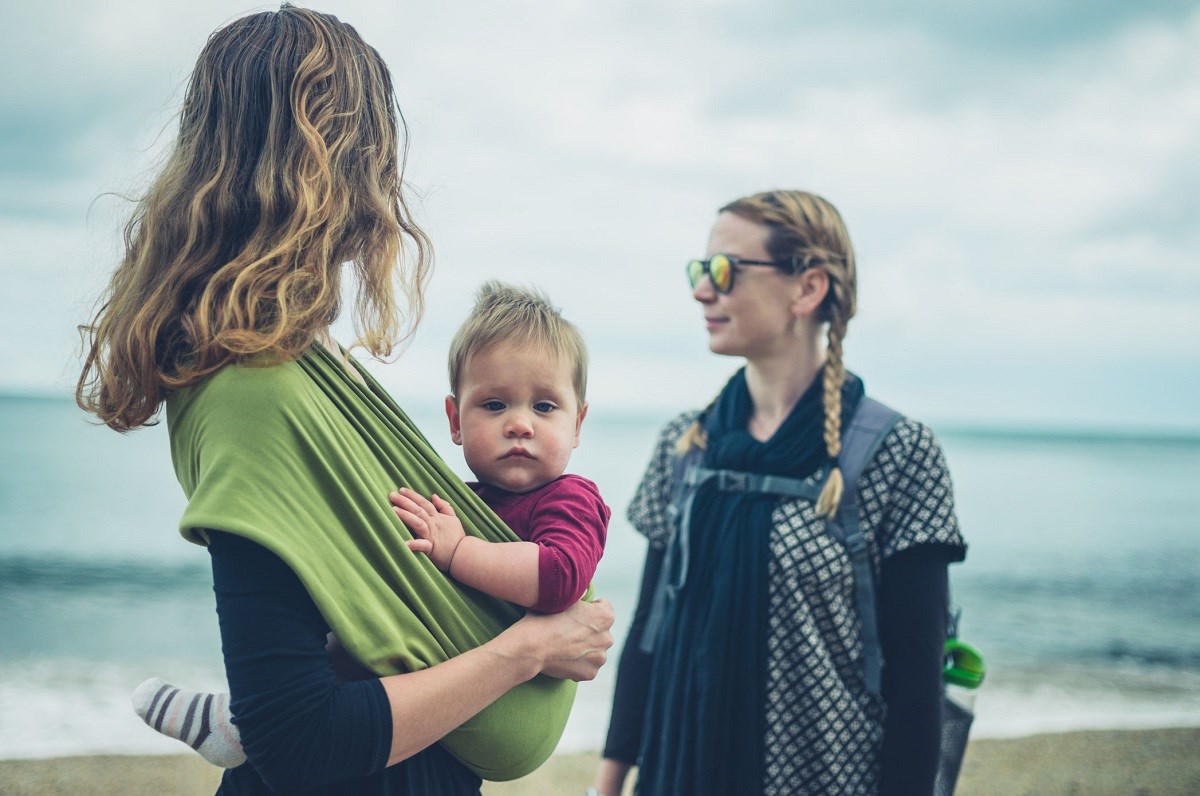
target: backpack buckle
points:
(857, 543)
(733, 481)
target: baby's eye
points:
(545, 407)
(494, 406)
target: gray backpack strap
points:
(872, 422)
(689, 476)
(738, 481)
(673, 575)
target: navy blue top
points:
(304, 731)
(913, 598)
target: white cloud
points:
(1014, 202)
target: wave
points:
(82, 706)
(1123, 652)
(1175, 585)
(1188, 438)
(42, 573)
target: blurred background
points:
(1021, 181)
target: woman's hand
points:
(345, 668)
(584, 636)
(571, 645)
(610, 777)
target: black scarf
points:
(705, 712)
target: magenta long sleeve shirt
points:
(568, 521)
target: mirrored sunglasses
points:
(720, 268)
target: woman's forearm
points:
(428, 704)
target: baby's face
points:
(516, 416)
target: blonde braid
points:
(835, 376)
(695, 436)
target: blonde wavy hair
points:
(809, 228)
(288, 165)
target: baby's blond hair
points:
(507, 314)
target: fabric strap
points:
(299, 457)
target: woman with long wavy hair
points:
(287, 177)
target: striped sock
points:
(200, 720)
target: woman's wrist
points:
(610, 777)
(519, 650)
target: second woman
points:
(755, 682)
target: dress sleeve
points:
(648, 515)
(921, 509)
(627, 724)
(920, 538)
(569, 524)
(300, 728)
(648, 510)
(913, 599)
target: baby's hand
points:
(433, 521)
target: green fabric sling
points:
(300, 457)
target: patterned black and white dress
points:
(824, 731)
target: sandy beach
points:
(1142, 762)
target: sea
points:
(1081, 585)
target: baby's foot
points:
(201, 720)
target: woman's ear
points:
(813, 287)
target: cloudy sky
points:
(1022, 181)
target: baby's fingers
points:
(410, 501)
(442, 506)
(417, 501)
(401, 500)
(421, 546)
(415, 522)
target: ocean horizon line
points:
(982, 429)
